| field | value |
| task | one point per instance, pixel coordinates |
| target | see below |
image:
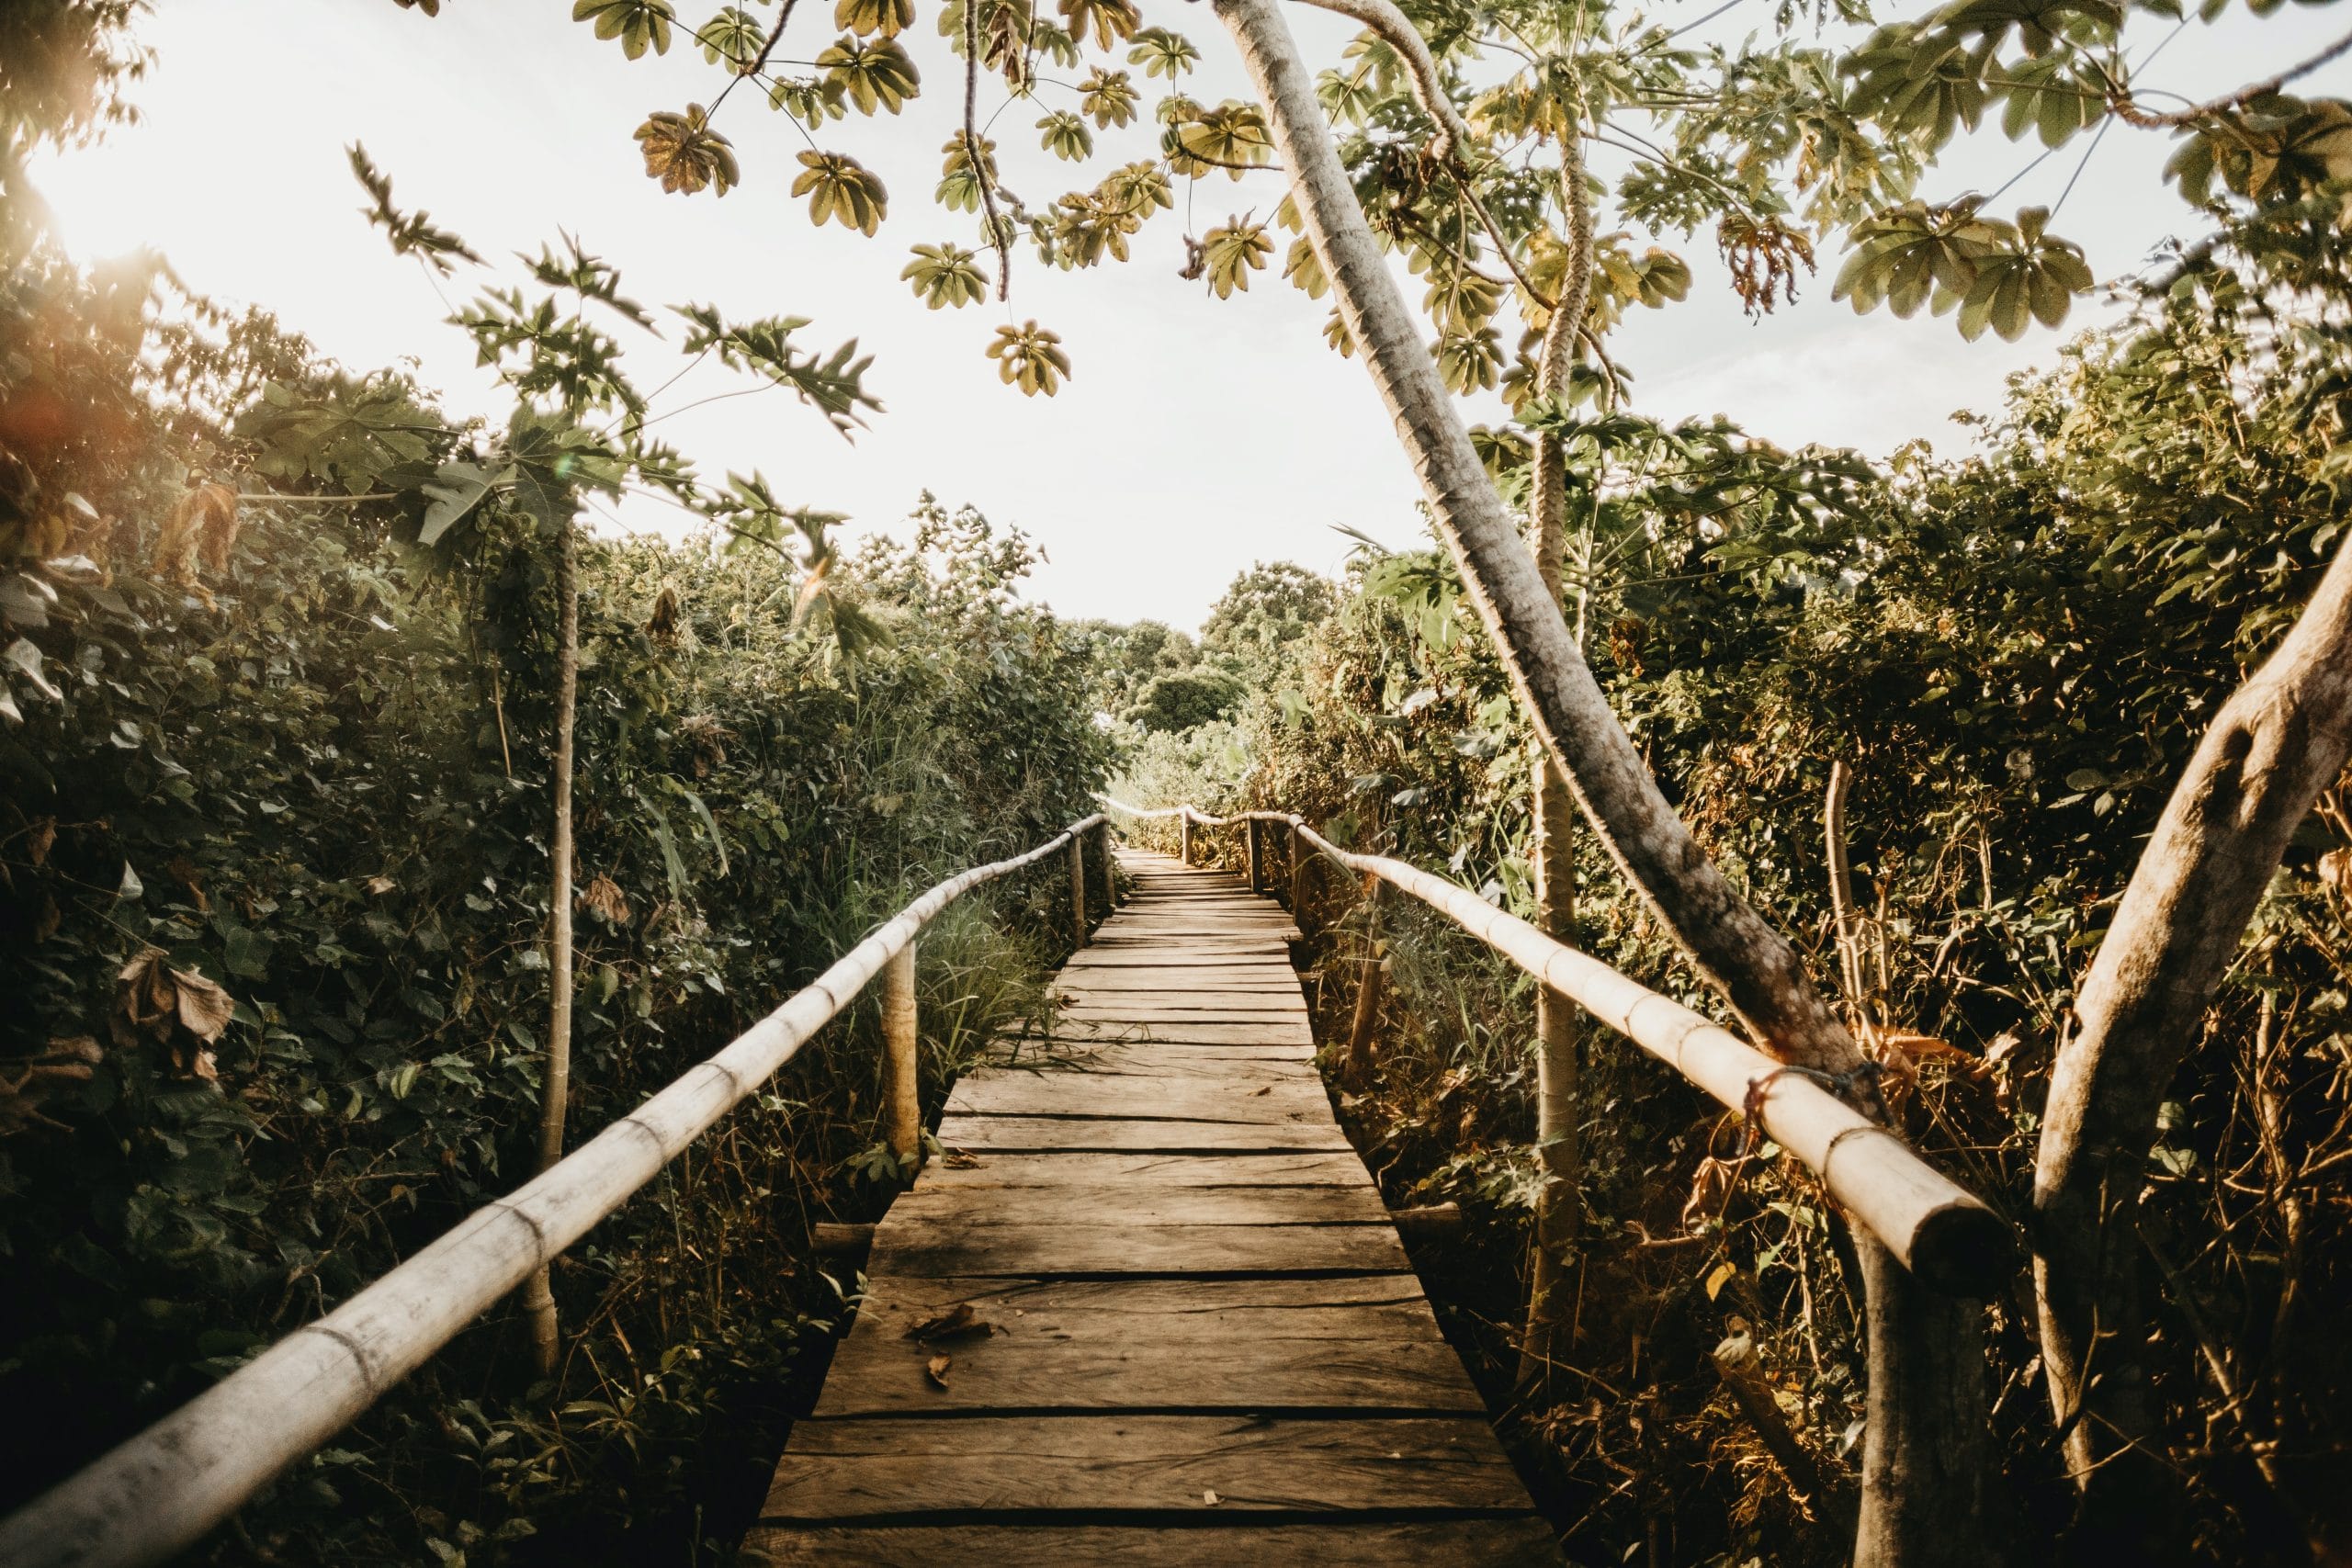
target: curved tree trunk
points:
(1928, 1425)
(1758, 973)
(538, 1297)
(2275, 746)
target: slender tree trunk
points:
(2275, 746)
(538, 1297)
(1550, 1296)
(1756, 970)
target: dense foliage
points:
(273, 880)
(2015, 653)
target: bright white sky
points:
(1196, 435)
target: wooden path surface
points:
(1203, 1341)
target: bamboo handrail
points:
(158, 1492)
(1942, 1232)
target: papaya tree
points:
(578, 430)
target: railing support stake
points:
(901, 1035)
(1078, 889)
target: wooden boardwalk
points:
(1188, 1334)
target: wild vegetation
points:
(317, 701)
(2011, 657)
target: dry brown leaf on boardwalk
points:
(959, 1322)
(963, 1159)
(936, 1368)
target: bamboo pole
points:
(1184, 836)
(901, 1042)
(1938, 1230)
(1299, 875)
(1252, 832)
(162, 1490)
(1078, 890)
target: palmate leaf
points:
(959, 186)
(1066, 137)
(1904, 256)
(945, 276)
(2277, 152)
(637, 23)
(2050, 97)
(1232, 136)
(1470, 362)
(453, 492)
(866, 17)
(1230, 253)
(872, 75)
(1136, 191)
(811, 100)
(2035, 278)
(686, 154)
(1109, 20)
(1108, 97)
(412, 233)
(1164, 53)
(1029, 357)
(2038, 24)
(835, 385)
(838, 187)
(1928, 87)
(1303, 269)
(734, 36)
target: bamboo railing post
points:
(1368, 985)
(1078, 889)
(1298, 874)
(1252, 831)
(1109, 870)
(1184, 836)
(899, 1038)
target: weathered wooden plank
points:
(1271, 981)
(1146, 1174)
(1364, 1342)
(1015, 1250)
(1235, 1095)
(1078, 1001)
(1297, 1016)
(1174, 1032)
(907, 1468)
(1452, 1543)
(979, 1205)
(1045, 1135)
(1154, 1057)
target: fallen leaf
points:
(379, 886)
(177, 1009)
(1210, 1498)
(936, 1370)
(963, 1159)
(959, 1322)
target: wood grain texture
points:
(1103, 1464)
(1466, 1544)
(1189, 1331)
(1256, 1344)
